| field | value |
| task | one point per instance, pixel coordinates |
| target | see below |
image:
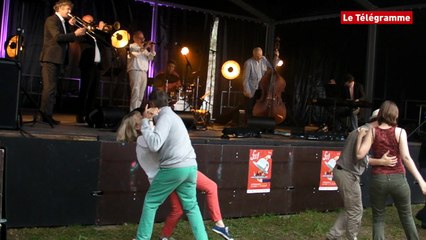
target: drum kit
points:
(184, 98)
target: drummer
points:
(169, 79)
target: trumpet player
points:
(90, 65)
(140, 54)
(54, 55)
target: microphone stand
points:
(18, 61)
(188, 66)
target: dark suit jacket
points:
(87, 48)
(55, 40)
(358, 92)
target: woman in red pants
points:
(208, 186)
(129, 130)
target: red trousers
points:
(204, 184)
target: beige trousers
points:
(349, 220)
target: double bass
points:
(272, 85)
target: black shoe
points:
(49, 119)
(80, 119)
(421, 214)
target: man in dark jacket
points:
(353, 91)
(91, 48)
(54, 54)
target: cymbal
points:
(120, 39)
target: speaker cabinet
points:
(106, 117)
(187, 118)
(265, 124)
(3, 221)
(9, 94)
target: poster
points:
(259, 171)
(328, 161)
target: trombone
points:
(90, 30)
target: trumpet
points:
(90, 29)
(148, 43)
(109, 28)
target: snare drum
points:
(182, 105)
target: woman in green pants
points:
(390, 180)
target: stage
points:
(74, 174)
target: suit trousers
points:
(49, 74)
(138, 80)
(90, 76)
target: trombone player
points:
(54, 55)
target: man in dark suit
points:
(54, 54)
(91, 47)
(353, 91)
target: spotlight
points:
(184, 51)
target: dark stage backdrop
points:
(401, 61)
(235, 41)
(314, 51)
(177, 29)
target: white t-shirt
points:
(149, 161)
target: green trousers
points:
(167, 180)
(396, 186)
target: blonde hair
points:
(127, 131)
(61, 3)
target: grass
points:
(306, 225)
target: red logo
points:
(376, 17)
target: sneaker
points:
(222, 231)
(165, 238)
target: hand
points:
(389, 161)
(80, 32)
(72, 21)
(422, 185)
(149, 113)
(362, 132)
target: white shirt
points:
(62, 20)
(138, 59)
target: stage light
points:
(280, 63)
(13, 46)
(120, 39)
(184, 51)
(230, 69)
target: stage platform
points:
(74, 174)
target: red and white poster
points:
(328, 161)
(259, 171)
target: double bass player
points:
(254, 69)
